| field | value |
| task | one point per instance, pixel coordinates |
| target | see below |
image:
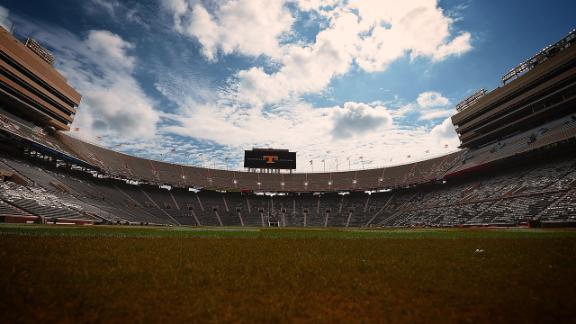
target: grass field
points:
(139, 274)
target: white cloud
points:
(457, 46)
(429, 105)
(393, 29)
(230, 125)
(304, 69)
(370, 33)
(331, 133)
(110, 49)
(436, 114)
(445, 133)
(309, 5)
(111, 6)
(113, 103)
(431, 99)
(373, 34)
(178, 9)
(119, 108)
(359, 119)
(249, 27)
(4, 18)
(203, 27)
(120, 12)
(101, 68)
(185, 86)
(432, 105)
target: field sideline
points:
(145, 274)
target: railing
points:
(470, 100)
(540, 57)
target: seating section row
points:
(543, 191)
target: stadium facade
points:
(516, 165)
(545, 94)
(31, 88)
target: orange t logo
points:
(270, 159)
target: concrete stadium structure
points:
(30, 87)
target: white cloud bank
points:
(369, 33)
(431, 99)
(434, 106)
(357, 119)
(250, 27)
(113, 102)
(445, 133)
(351, 130)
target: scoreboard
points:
(269, 159)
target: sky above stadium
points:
(346, 84)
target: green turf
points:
(254, 232)
(139, 274)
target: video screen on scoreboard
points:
(269, 159)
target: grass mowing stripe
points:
(295, 233)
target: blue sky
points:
(197, 82)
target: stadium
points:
(515, 166)
(507, 194)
